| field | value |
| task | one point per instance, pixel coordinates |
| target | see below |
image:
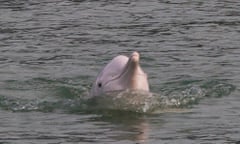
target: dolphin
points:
(121, 73)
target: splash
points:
(178, 97)
(145, 102)
(136, 101)
(62, 97)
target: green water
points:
(51, 52)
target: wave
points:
(63, 96)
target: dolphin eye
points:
(99, 85)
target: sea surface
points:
(52, 50)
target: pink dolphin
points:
(121, 73)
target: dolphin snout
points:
(135, 57)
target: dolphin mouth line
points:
(122, 73)
(125, 70)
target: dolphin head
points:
(121, 73)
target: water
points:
(51, 51)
